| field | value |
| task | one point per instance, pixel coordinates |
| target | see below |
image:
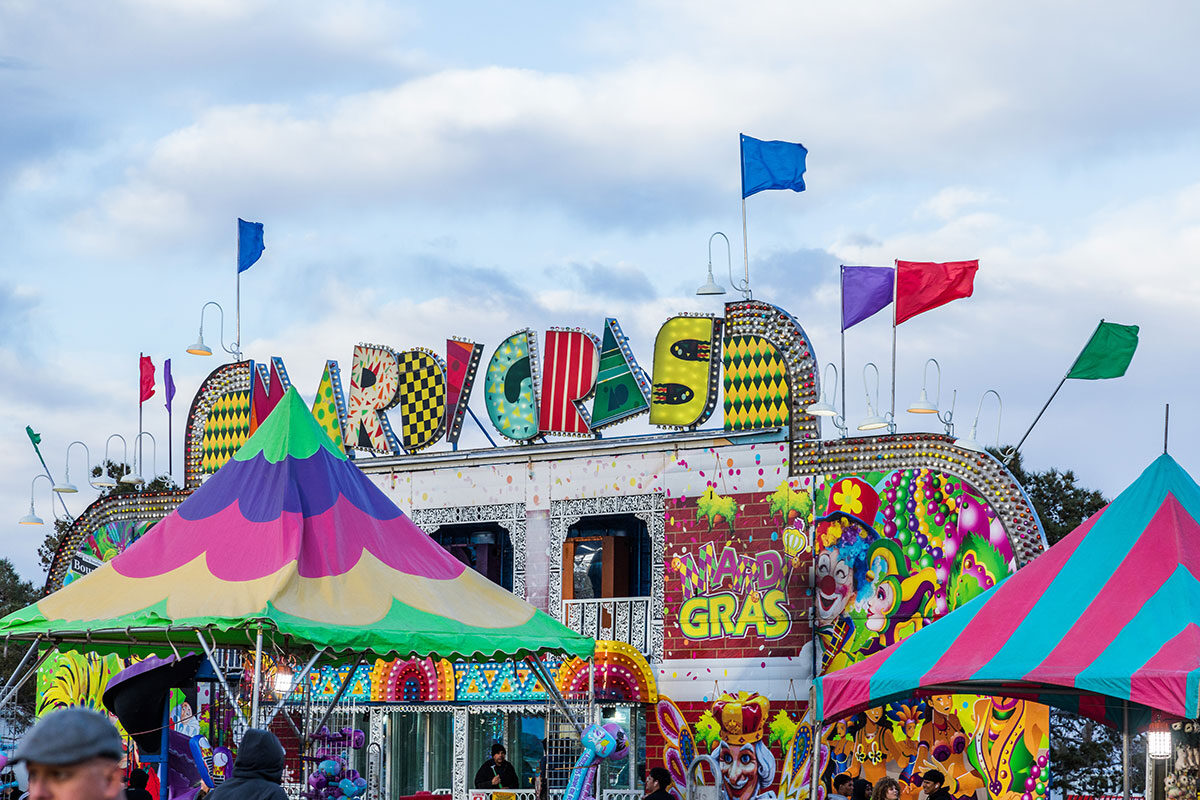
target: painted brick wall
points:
(755, 529)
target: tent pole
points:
(345, 685)
(1126, 778)
(32, 671)
(212, 659)
(257, 677)
(815, 758)
(552, 690)
(298, 679)
(17, 671)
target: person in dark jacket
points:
(136, 790)
(257, 770)
(933, 785)
(496, 772)
(658, 781)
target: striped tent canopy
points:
(1107, 619)
(292, 537)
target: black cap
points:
(498, 748)
(69, 736)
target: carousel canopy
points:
(291, 536)
(1106, 617)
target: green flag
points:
(1107, 354)
(36, 438)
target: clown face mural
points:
(835, 585)
(747, 765)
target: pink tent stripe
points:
(1007, 608)
(1151, 560)
(1157, 682)
(330, 543)
(856, 691)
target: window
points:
(606, 556)
(483, 546)
(521, 736)
(420, 750)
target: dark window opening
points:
(483, 546)
(607, 556)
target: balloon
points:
(330, 767)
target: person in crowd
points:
(886, 789)
(861, 789)
(842, 786)
(257, 770)
(496, 772)
(136, 790)
(933, 785)
(658, 781)
(73, 754)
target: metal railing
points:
(622, 619)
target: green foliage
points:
(16, 594)
(1061, 503)
(1085, 756)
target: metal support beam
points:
(212, 659)
(296, 680)
(552, 690)
(341, 691)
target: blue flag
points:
(250, 243)
(771, 165)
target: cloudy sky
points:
(434, 169)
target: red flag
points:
(922, 285)
(147, 379)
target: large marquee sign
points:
(563, 382)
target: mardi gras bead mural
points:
(896, 551)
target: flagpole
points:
(140, 403)
(842, 303)
(237, 345)
(38, 450)
(895, 290)
(1008, 457)
(745, 240)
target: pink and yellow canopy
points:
(290, 535)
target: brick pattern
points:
(755, 529)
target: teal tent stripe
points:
(1171, 609)
(903, 669)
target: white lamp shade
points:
(65, 488)
(872, 423)
(822, 409)
(200, 349)
(30, 519)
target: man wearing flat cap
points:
(73, 754)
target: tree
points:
(14, 594)
(1061, 504)
(1085, 756)
(161, 483)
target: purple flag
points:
(168, 384)
(865, 290)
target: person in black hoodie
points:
(136, 790)
(496, 772)
(933, 785)
(257, 770)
